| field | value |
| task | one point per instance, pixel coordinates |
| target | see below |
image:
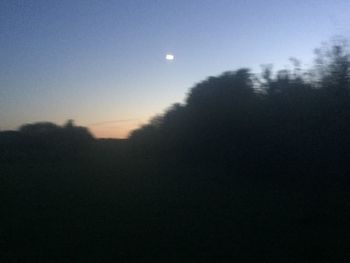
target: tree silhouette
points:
(246, 120)
(249, 164)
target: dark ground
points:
(104, 205)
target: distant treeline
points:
(247, 121)
(44, 140)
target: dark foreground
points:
(104, 205)
(238, 173)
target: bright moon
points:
(169, 57)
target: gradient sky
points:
(102, 63)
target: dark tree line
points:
(238, 119)
(292, 119)
(44, 140)
(250, 168)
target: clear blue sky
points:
(102, 63)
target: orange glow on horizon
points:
(116, 131)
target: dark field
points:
(107, 206)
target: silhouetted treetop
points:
(44, 140)
(226, 88)
(333, 67)
(52, 131)
(39, 128)
(242, 117)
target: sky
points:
(102, 62)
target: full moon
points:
(169, 57)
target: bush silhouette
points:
(45, 140)
(252, 122)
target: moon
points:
(169, 57)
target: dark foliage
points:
(285, 121)
(248, 169)
(44, 140)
